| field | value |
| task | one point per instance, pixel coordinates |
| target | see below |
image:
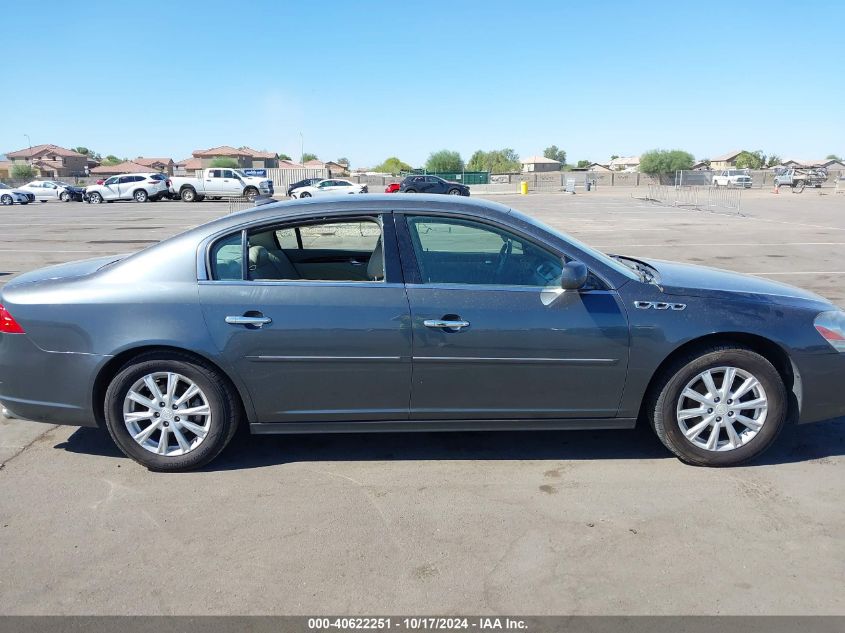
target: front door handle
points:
(446, 324)
(253, 321)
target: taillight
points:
(8, 325)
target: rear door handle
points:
(254, 321)
(443, 323)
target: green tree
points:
(750, 160)
(393, 166)
(555, 154)
(832, 157)
(22, 171)
(284, 157)
(87, 152)
(111, 159)
(225, 161)
(773, 160)
(343, 161)
(306, 156)
(444, 161)
(497, 161)
(614, 157)
(661, 161)
(583, 164)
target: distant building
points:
(51, 161)
(599, 167)
(187, 166)
(335, 169)
(827, 163)
(246, 157)
(701, 166)
(164, 165)
(725, 161)
(540, 164)
(126, 167)
(625, 163)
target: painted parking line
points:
(803, 272)
(743, 244)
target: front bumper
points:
(43, 386)
(822, 376)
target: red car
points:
(392, 187)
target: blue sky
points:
(367, 80)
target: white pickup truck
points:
(732, 178)
(218, 182)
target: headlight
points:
(831, 325)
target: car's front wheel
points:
(95, 198)
(454, 192)
(64, 197)
(305, 194)
(250, 193)
(720, 406)
(170, 413)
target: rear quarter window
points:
(227, 258)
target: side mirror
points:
(573, 275)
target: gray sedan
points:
(419, 313)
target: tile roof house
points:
(540, 163)
(51, 161)
(246, 156)
(335, 169)
(165, 165)
(827, 163)
(126, 167)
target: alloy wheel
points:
(722, 418)
(167, 414)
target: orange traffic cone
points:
(777, 189)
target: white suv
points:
(137, 187)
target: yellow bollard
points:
(523, 188)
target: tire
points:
(140, 195)
(6, 200)
(95, 198)
(215, 395)
(454, 192)
(667, 399)
(250, 193)
(305, 194)
(64, 197)
(410, 190)
(715, 184)
(188, 195)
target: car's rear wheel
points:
(6, 199)
(410, 190)
(140, 196)
(95, 198)
(305, 194)
(188, 195)
(65, 196)
(720, 406)
(170, 413)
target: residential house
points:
(540, 163)
(625, 163)
(725, 161)
(51, 161)
(126, 167)
(187, 166)
(599, 167)
(701, 166)
(289, 164)
(5, 168)
(827, 163)
(246, 157)
(335, 169)
(164, 165)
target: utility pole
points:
(30, 148)
(301, 147)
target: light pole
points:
(28, 140)
(301, 147)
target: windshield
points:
(239, 173)
(605, 259)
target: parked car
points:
(397, 313)
(9, 195)
(303, 183)
(738, 178)
(48, 190)
(432, 184)
(800, 178)
(329, 186)
(137, 187)
(392, 187)
(220, 183)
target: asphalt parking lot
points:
(536, 523)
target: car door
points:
(309, 350)
(110, 188)
(434, 185)
(231, 184)
(214, 182)
(125, 187)
(324, 187)
(495, 338)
